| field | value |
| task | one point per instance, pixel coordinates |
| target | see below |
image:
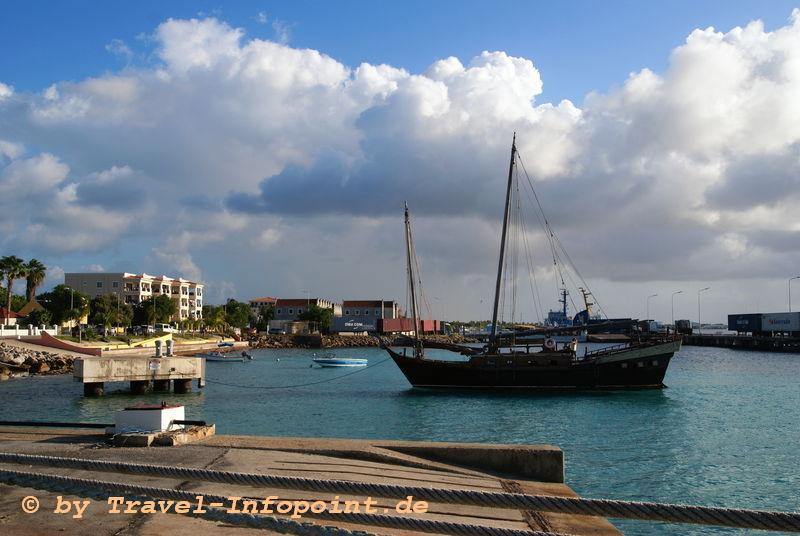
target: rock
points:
(40, 367)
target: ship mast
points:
(409, 264)
(493, 338)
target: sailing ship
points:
(640, 363)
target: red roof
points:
(5, 313)
(264, 300)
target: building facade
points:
(364, 315)
(290, 309)
(134, 288)
(258, 304)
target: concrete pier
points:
(759, 343)
(140, 371)
(533, 469)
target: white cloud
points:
(304, 163)
(5, 91)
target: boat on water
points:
(225, 356)
(333, 361)
(640, 363)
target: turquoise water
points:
(725, 433)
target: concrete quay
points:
(532, 469)
(759, 343)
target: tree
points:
(11, 267)
(40, 317)
(149, 311)
(214, 317)
(267, 314)
(237, 314)
(108, 310)
(321, 315)
(35, 273)
(65, 304)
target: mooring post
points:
(139, 387)
(160, 386)
(93, 389)
(183, 386)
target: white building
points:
(133, 289)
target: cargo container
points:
(783, 322)
(747, 322)
(406, 325)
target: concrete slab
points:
(390, 462)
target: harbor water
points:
(725, 433)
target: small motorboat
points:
(333, 361)
(223, 356)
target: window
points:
(115, 284)
(99, 284)
(280, 311)
(347, 312)
(291, 311)
(654, 363)
(356, 312)
(377, 312)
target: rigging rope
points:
(675, 513)
(89, 487)
(557, 249)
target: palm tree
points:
(35, 275)
(12, 267)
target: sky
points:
(266, 148)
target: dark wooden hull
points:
(637, 367)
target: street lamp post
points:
(648, 305)
(790, 291)
(698, 305)
(673, 305)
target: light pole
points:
(790, 291)
(648, 305)
(673, 305)
(698, 306)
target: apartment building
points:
(134, 288)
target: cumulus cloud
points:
(229, 141)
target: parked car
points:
(277, 331)
(166, 328)
(141, 330)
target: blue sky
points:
(578, 46)
(170, 137)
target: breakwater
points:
(745, 342)
(15, 360)
(336, 341)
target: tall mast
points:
(409, 264)
(493, 345)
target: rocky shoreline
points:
(17, 361)
(338, 341)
